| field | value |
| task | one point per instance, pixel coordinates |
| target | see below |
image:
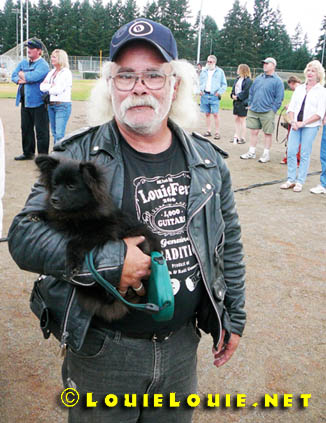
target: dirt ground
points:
(283, 348)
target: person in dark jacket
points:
(179, 185)
(28, 75)
(240, 94)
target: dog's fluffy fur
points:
(78, 205)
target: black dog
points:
(79, 206)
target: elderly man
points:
(265, 98)
(179, 185)
(212, 84)
(28, 75)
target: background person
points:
(306, 110)
(28, 75)
(58, 83)
(293, 82)
(240, 95)
(321, 188)
(151, 164)
(212, 83)
(265, 98)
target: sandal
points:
(287, 185)
(241, 141)
(217, 136)
(207, 134)
(235, 140)
(297, 187)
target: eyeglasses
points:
(153, 80)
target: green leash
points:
(160, 293)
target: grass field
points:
(81, 89)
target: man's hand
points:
(225, 351)
(21, 76)
(136, 266)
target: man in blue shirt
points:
(265, 98)
(28, 75)
(212, 84)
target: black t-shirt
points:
(156, 192)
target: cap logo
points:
(140, 29)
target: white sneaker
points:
(319, 189)
(297, 187)
(264, 158)
(248, 155)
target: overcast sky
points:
(309, 13)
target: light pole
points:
(21, 31)
(199, 33)
(322, 55)
(16, 11)
(27, 21)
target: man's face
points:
(141, 109)
(269, 68)
(210, 63)
(33, 53)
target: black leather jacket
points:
(213, 229)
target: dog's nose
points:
(54, 200)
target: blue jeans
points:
(323, 158)
(111, 363)
(59, 115)
(304, 137)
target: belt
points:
(158, 337)
(54, 103)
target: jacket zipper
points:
(65, 334)
(201, 267)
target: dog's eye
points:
(71, 187)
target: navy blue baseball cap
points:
(144, 29)
(34, 44)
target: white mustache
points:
(133, 101)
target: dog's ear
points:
(94, 179)
(46, 165)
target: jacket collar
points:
(107, 139)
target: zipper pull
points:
(63, 344)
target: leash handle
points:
(148, 307)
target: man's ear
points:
(176, 87)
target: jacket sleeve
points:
(38, 74)
(279, 95)
(244, 94)
(45, 85)
(234, 267)
(38, 248)
(223, 85)
(14, 76)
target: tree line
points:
(83, 29)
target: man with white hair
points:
(265, 98)
(179, 185)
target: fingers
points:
(225, 352)
(140, 290)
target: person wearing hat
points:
(265, 98)
(28, 75)
(179, 185)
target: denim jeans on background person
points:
(323, 158)
(110, 363)
(304, 137)
(59, 115)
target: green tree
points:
(237, 38)
(320, 43)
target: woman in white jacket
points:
(306, 110)
(58, 84)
